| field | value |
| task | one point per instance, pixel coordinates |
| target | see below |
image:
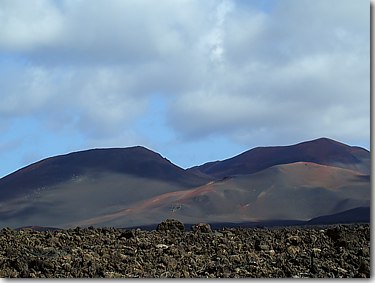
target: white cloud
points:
(286, 74)
(214, 40)
(298, 71)
(97, 101)
(27, 25)
(107, 103)
(24, 90)
(104, 32)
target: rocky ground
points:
(337, 251)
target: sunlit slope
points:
(322, 151)
(296, 191)
(85, 184)
(75, 200)
(135, 186)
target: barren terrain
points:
(336, 251)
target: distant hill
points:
(322, 151)
(296, 191)
(135, 186)
(135, 161)
(87, 183)
(355, 215)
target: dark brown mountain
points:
(355, 215)
(296, 191)
(126, 187)
(84, 184)
(134, 161)
(322, 151)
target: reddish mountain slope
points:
(86, 184)
(297, 191)
(135, 186)
(321, 151)
(134, 161)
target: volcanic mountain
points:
(87, 183)
(322, 151)
(127, 187)
(135, 161)
(295, 191)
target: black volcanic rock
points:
(170, 225)
(337, 251)
(322, 151)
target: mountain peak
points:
(137, 161)
(322, 151)
(137, 185)
(323, 141)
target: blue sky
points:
(194, 80)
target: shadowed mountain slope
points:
(134, 161)
(355, 215)
(321, 151)
(88, 183)
(296, 191)
(133, 186)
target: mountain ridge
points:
(323, 151)
(98, 183)
(137, 160)
(254, 195)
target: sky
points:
(193, 80)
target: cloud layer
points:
(296, 70)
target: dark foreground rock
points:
(338, 251)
